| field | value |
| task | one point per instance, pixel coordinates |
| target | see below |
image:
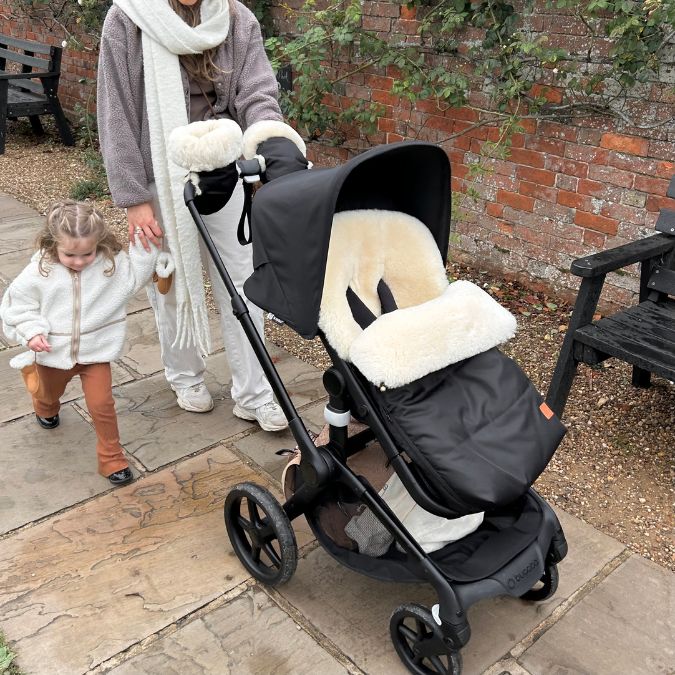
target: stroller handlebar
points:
(249, 169)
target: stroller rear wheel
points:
(549, 585)
(418, 641)
(261, 534)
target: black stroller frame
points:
(438, 634)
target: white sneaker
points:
(194, 399)
(269, 416)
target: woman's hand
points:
(39, 344)
(142, 222)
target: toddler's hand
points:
(39, 344)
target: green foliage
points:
(7, 656)
(330, 47)
(80, 21)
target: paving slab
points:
(141, 350)
(156, 431)
(625, 625)
(15, 401)
(138, 303)
(44, 471)
(18, 232)
(85, 585)
(11, 207)
(354, 610)
(261, 447)
(12, 263)
(250, 635)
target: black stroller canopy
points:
(292, 218)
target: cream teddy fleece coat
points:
(83, 314)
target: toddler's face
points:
(76, 254)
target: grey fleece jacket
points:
(246, 92)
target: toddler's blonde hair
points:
(77, 220)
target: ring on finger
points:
(138, 230)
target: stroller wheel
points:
(261, 533)
(549, 585)
(418, 641)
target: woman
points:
(162, 64)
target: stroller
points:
(356, 256)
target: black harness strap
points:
(246, 214)
(362, 315)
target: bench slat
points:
(639, 337)
(33, 61)
(662, 280)
(34, 86)
(28, 45)
(24, 97)
(666, 221)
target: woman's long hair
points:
(201, 67)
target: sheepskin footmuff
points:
(407, 344)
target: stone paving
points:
(142, 579)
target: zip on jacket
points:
(77, 310)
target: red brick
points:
(599, 190)
(569, 167)
(608, 174)
(494, 209)
(527, 157)
(388, 99)
(555, 130)
(546, 194)
(428, 105)
(440, 123)
(655, 203)
(597, 223)
(539, 176)
(629, 144)
(627, 214)
(655, 186)
(466, 114)
(550, 146)
(506, 228)
(405, 27)
(586, 153)
(595, 239)
(574, 200)
(551, 94)
(394, 138)
(379, 82)
(515, 200)
(408, 12)
(385, 124)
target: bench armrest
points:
(25, 76)
(622, 256)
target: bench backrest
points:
(662, 276)
(33, 57)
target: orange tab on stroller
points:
(546, 411)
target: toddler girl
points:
(68, 306)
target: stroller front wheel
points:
(418, 641)
(261, 534)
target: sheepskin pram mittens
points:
(163, 274)
(208, 151)
(279, 149)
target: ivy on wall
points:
(330, 46)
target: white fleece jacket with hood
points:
(83, 314)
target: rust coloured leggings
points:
(96, 381)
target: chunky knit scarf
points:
(164, 37)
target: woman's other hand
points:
(39, 344)
(142, 223)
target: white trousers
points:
(185, 367)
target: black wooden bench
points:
(642, 335)
(32, 91)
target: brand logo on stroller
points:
(517, 578)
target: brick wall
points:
(75, 65)
(566, 190)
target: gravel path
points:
(615, 467)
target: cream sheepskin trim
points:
(164, 267)
(404, 345)
(369, 245)
(265, 129)
(205, 146)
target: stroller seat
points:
(387, 305)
